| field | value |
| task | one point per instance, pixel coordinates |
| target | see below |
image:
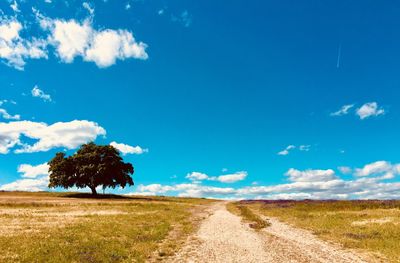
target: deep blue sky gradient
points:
(244, 80)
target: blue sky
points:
(268, 99)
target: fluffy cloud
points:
(38, 93)
(103, 47)
(184, 190)
(369, 182)
(343, 111)
(5, 115)
(67, 135)
(32, 185)
(110, 45)
(127, 149)
(196, 176)
(71, 38)
(384, 168)
(30, 171)
(332, 188)
(34, 178)
(310, 175)
(14, 50)
(227, 178)
(369, 110)
(232, 178)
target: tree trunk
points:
(94, 192)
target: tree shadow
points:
(114, 197)
(98, 196)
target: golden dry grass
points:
(61, 227)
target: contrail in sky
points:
(339, 55)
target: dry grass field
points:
(67, 227)
(372, 226)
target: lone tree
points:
(91, 166)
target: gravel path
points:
(289, 244)
(223, 237)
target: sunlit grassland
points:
(373, 226)
(60, 227)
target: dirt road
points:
(223, 237)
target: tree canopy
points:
(91, 166)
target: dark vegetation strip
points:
(256, 222)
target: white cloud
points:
(383, 168)
(184, 190)
(30, 171)
(304, 148)
(14, 50)
(88, 7)
(311, 175)
(196, 176)
(36, 92)
(154, 188)
(362, 188)
(5, 115)
(14, 7)
(127, 6)
(369, 110)
(103, 47)
(286, 151)
(33, 185)
(289, 148)
(307, 184)
(343, 111)
(110, 45)
(227, 178)
(67, 135)
(127, 149)
(70, 38)
(232, 178)
(34, 178)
